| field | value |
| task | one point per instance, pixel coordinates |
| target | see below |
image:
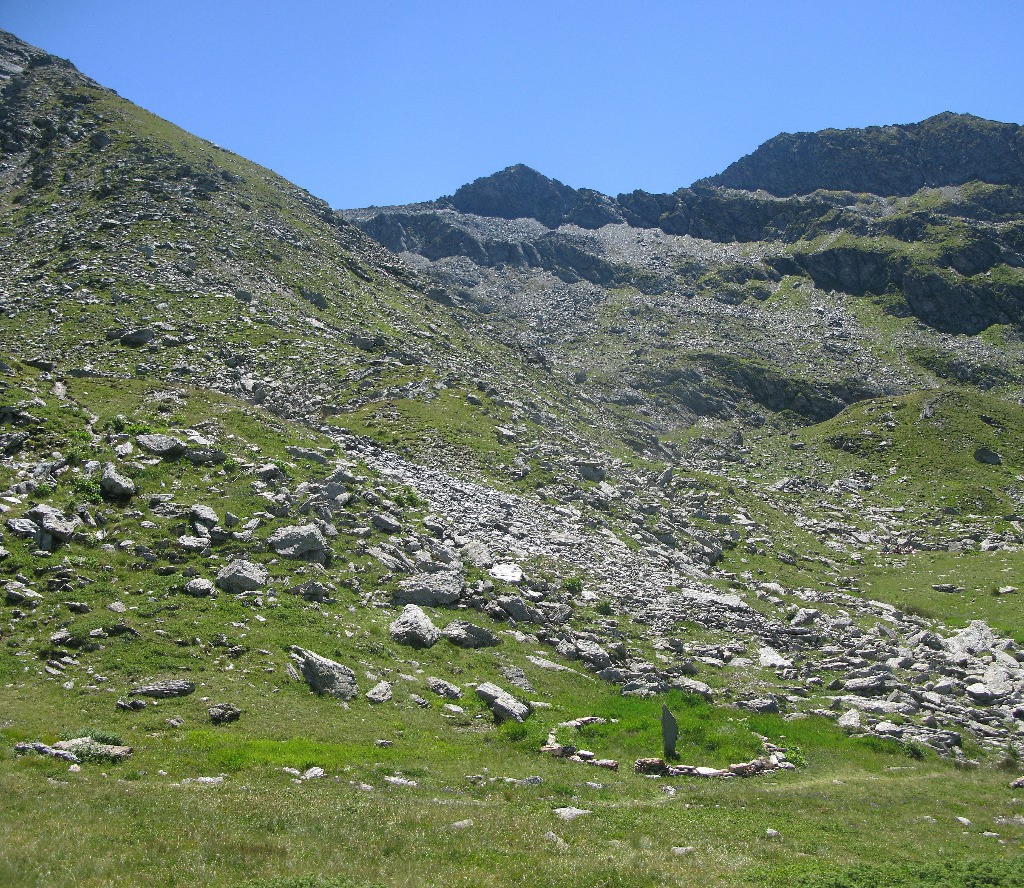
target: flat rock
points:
(172, 687)
(769, 658)
(507, 573)
(570, 813)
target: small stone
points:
(379, 693)
(224, 713)
(570, 813)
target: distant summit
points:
(947, 149)
(519, 191)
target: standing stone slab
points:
(669, 732)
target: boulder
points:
(114, 485)
(850, 720)
(988, 457)
(223, 713)
(242, 576)
(413, 627)
(385, 523)
(138, 338)
(325, 676)
(311, 590)
(163, 446)
(379, 693)
(464, 634)
(54, 522)
(199, 588)
(444, 688)
(504, 706)
(203, 515)
(303, 541)
(977, 637)
(868, 685)
(441, 588)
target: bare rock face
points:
(325, 676)
(947, 149)
(413, 627)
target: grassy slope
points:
(133, 823)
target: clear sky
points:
(392, 101)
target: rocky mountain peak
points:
(521, 192)
(15, 55)
(946, 149)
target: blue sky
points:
(383, 102)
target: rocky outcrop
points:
(947, 149)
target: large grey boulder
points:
(977, 637)
(868, 685)
(163, 446)
(199, 588)
(413, 627)
(300, 541)
(325, 676)
(591, 653)
(242, 576)
(114, 485)
(54, 522)
(22, 527)
(138, 338)
(441, 588)
(464, 634)
(203, 515)
(502, 703)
